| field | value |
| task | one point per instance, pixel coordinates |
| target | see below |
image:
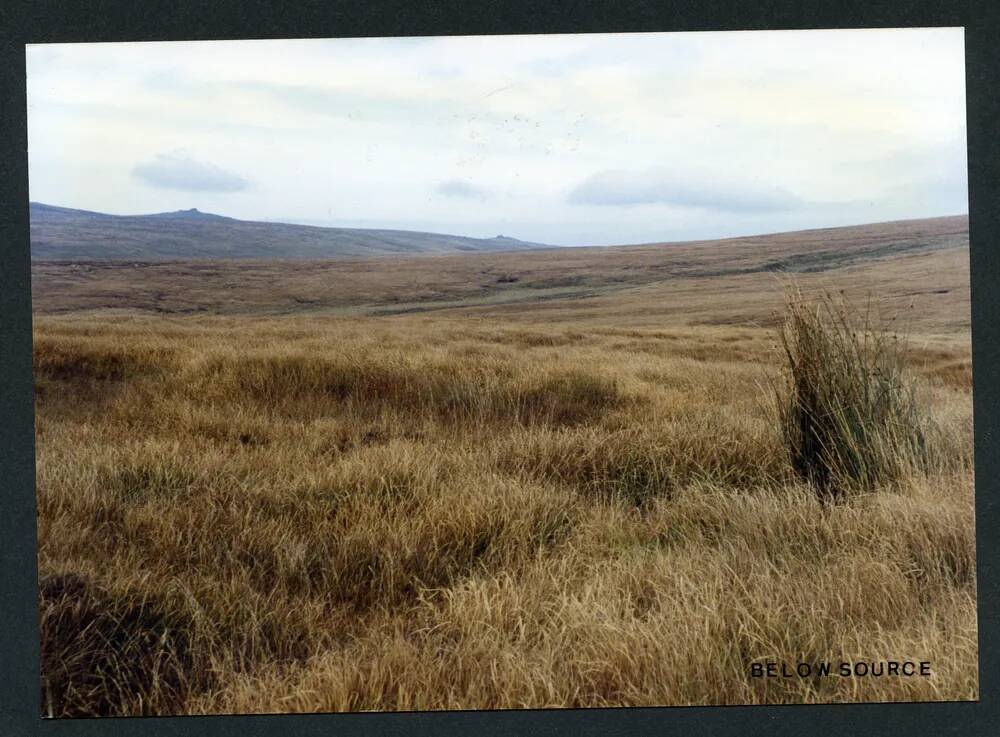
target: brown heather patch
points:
(106, 653)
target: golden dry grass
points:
(297, 514)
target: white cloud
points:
(671, 187)
(180, 172)
(462, 190)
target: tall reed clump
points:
(849, 411)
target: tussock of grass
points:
(850, 413)
(638, 464)
(136, 480)
(456, 392)
(303, 514)
(95, 360)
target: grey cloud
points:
(658, 186)
(177, 171)
(462, 189)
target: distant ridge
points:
(67, 234)
(193, 214)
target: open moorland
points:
(553, 478)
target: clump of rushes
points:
(849, 412)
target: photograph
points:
(502, 372)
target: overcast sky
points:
(573, 139)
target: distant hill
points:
(62, 233)
(736, 279)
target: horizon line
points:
(301, 224)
